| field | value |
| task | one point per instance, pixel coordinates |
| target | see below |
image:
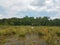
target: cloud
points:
(13, 6)
(38, 3)
(21, 8)
(51, 6)
(0, 15)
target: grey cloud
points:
(38, 3)
(56, 2)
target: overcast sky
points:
(36, 8)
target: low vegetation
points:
(24, 34)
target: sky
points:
(35, 8)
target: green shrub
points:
(40, 34)
(58, 34)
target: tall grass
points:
(50, 34)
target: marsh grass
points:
(50, 34)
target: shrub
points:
(58, 34)
(40, 34)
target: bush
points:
(58, 34)
(40, 34)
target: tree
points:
(38, 21)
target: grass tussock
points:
(50, 34)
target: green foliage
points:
(38, 21)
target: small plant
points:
(21, 35)
(7, 34)
(58, 34)
(40, 34)
(13, 32)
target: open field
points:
(29, 35)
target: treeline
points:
(38, 21)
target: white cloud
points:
(0, 15)
(14, 6)
(9, 3)
(48, 1)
